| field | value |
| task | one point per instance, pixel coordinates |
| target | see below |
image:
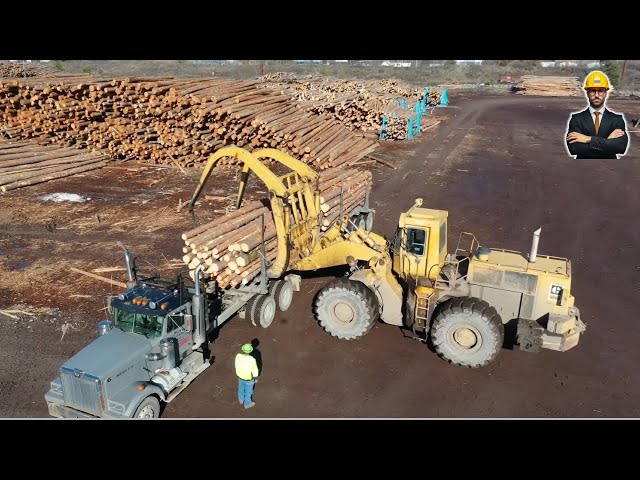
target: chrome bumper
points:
(62, 411)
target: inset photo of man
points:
(597, 132)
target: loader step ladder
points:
(425, 304)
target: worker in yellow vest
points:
(247, 371)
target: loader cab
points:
(420, 242)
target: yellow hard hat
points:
(596, 79)
(247, 348)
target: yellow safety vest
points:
(246, 366)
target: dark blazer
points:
(599, 146)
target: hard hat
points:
(596, 79)
(247, 348)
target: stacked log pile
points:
(26, 163)
(359, 105)
(167, 120)
(24, 69)
(229, 247)
(549, 85)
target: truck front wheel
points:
(346, 309)
(148, 408)
(468, 332)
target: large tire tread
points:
(487, 321)
(357, 292)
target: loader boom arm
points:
(294, 198)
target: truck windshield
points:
(148, 325)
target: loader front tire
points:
(346, 309)
(468, 332)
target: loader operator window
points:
(416, 241)
(148, 325)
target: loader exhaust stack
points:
(534, 246)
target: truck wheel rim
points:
(269, 314)
(285, 297)
(146, 412)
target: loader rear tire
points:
(346, 309)
(468, 332)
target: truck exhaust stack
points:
(200, 334)
(132, 278)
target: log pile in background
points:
(549, 85)
(229, 246)
(26, 163)
(24, 69)
(359, 105)
(167, 120)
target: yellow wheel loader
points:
(459, 300)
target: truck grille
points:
(81, 390)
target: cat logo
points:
(555, 291)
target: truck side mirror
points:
(188, 322)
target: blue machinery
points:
(413, 127)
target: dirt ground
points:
(496, 163)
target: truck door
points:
(176, 328)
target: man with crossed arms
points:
(597, 132)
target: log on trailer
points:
(229, 247)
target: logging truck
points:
(158, 340)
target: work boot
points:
(250, 405)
